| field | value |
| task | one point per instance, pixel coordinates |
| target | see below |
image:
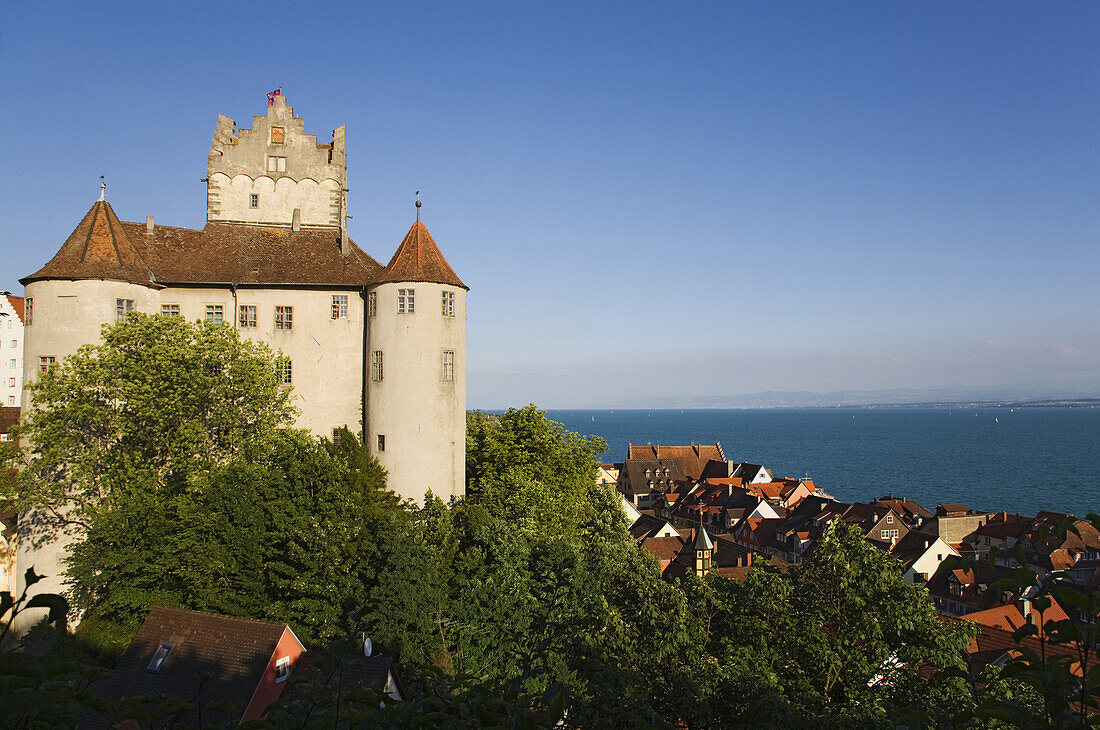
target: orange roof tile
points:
(419, 259)
(98, 248)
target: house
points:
(1015, 615)
(921, 555)
(958, 591)
(1001, 531)
(608, 474)
(12, 319)
(647, 526)
(953, 522)
(1077, 555)
(876, 521)
(204, 660)
(751, 473)
(693, 459)
(641, 480)
(910, 512)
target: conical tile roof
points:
(98, 249)
(418, 258)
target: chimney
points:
(148, 225)
(296, 223)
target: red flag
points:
(273, 94)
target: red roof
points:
(98, 248)
(419, 259)
(17, 304)
(692, 458)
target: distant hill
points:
(1050, 396)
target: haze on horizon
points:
(647, 200)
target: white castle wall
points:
(422, 416)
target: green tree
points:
(157, 400)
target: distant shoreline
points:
(1045, 403)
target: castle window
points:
(122, 308)
(448, 365)
(170, 310)
(28, 310)
(284, 318)
(372, 304)
(254, 200)
(405, 301)
(376, 371)
(45, 362)
(381, 442)
(276, 164)
(215, 313)
(247, 316)
(339, 306)
(448, 304)
(277, 135)
(284, 372)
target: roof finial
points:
(417, 206)
(102, 188)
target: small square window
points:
(284, 318)
(247, 317)
(889, 519)
(282, 669)
(448, 304)
(277, 135)
(372, 304)
(45, 362)
(376, 365)
(170, 310)
(215, 313)
(405, 301)
(339, 306)
(254, 200)
(381, 442)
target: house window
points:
(170, 310)
(11, 382)
(215, 313)
(277, 135)
(13, 362)
(884, 534)
(45, 362)
(376, 365)
(284, 372)
(381, 442)
(894, 534)
(339, 306)
(405, 301)
(254, 200)
(336, 433)
(122, 308)
(939, 557)
(372, 304)
(15, 343)
(282, 669)
(28, 310)
(248, 315)
(448, 365)
(158, 658)
(448, 304)
(889, 519)
(276, 164)
(284, 318)
(11, 402)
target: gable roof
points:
(17, 305)
(235, 650)
(418, 258)
(638, 480)
(693, 458)
(98, 248)
(102, 247)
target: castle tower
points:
(416, 370)
(275, 172)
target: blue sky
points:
(668, 199)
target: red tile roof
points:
(9, 416)
(102, 247)
(17, 305)
(693, 458)
(419, 259)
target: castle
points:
(378, 349)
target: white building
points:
(378, 349)
(12, 317)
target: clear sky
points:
(666, 199)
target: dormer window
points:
(162, 653)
